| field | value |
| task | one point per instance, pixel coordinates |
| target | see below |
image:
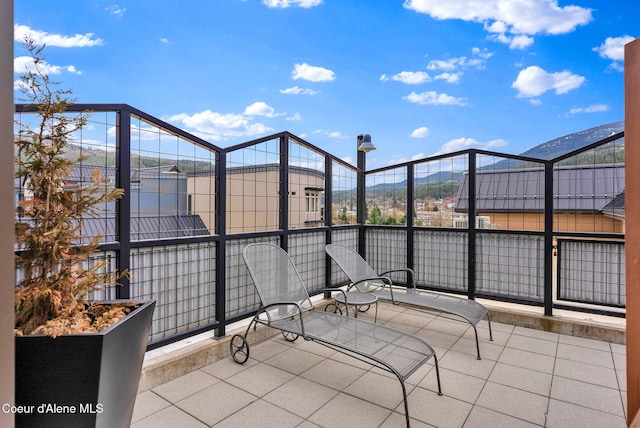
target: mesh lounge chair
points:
(286, 306)
(365, 279)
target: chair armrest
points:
(412, 275)
(386, 282)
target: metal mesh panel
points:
(386, 197)
(348, 238)
(253, 188)
(592, 272)
(344, 185)
(172, 184)
(587, 189)
(241, 295)
(436, 185)
(387, 250)
(510, 265)
(306, 187)
(182, 279)
(440, 259)
(308, 254)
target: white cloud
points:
(291, 3)
(295, 117)
(115, 9)
(312, 73)
(449, 77)
(594, 108)
(296, 90)
(408, 77)
(508, 18)
(164, 40)
(434, 98)
(260, 108)
(452, 68)
(421, 132)
(613, 48)
(23, 64)
(330, 134)
(42, 37)
(216, 126)
(469, 143)
(534, 81)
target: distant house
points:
(586, 198)
(253, 197)
(158, 203)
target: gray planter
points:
(83, 380)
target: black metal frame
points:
(124, 246)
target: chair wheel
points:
(290, 337)
(331, 307)
(239, 348)
(360, 308)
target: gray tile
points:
(514, 402)
(261, 414)
(294, 360)
(538, 334)
(619, 361)
(301, 396)
(380, 390)
(585, 343)
(185, 386)
(521, 378)
(586, 373)
(618, 348)
(333, 374)
(488, 350)
(528, 360)
(563, 415)
(455, 385)
(467, 364)
(226, 367)
(260, 379)
(532, 344)
(587, 395)
(483, 418)
(267, 349)
(437, 410)
(347, 411)
(215, 403)
(169, 417)
(585, 355)
(148, 403)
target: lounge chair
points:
(286, 306)
(365, 279)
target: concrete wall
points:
(632, 212)
(6, 210)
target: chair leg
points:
(475, 330)
(489, 322)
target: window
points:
(312, 201)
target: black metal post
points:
(409, 216)
(284, 191)
(221, 250)
(123, 205)
(328, 216)
(548, 238)
(471, 228)
(361, 214)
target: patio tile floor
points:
(526, 378)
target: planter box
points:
(83, 380)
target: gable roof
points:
(576, 188)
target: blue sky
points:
(423, 77)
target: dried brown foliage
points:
(51, 299)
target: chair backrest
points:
(273, 273)
(353, 265)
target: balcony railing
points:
(545, 232)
